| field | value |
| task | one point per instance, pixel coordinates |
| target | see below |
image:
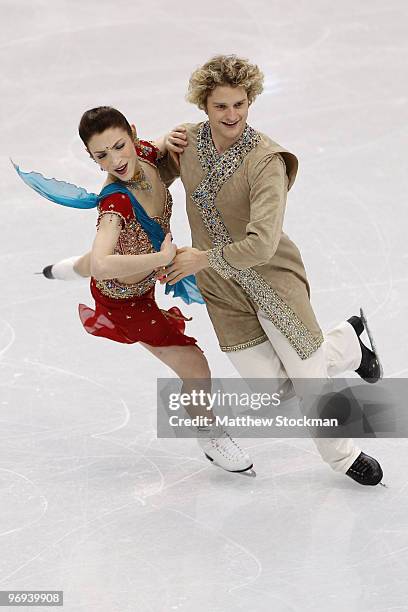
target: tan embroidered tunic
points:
(235, 205)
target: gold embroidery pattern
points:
(114, 289)
(220, 169)
(110, 212)
(244, 345)
(133, 240)
(154, 147)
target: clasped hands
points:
(188, 260)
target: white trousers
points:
(277, 359)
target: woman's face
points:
(114, 151)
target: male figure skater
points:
(249, 272)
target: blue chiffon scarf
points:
(67, 194)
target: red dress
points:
(124, 312)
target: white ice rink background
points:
(90, 501)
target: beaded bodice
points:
(133, 240)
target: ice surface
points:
(91, 502)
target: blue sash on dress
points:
(70, 195)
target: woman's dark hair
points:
(97, 120)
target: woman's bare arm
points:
(105, 265)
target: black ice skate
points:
(365, 470)
(370, 368)
(47, 271)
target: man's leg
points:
(259, 361)
(340, 453)
(344, 350)
(341, 348)
(263, 361)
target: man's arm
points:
(169, 168)
(171, 146)
(268, 190)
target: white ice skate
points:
(62, 270)
(224, 452)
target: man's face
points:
(227, 110)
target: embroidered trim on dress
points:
(114, 289)
(159, 154)
(110, 212)
(219, 169)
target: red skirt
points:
(136, 319)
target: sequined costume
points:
(235, 204)
(256, 289)
(124, 312)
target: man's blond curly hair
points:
(224, 70)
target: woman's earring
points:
(136, 141)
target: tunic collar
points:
(233, 156)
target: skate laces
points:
(361, 466)
(227, 446)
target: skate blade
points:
(249, 472)
(372, 342)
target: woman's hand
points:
(176, 140)
(168, 250)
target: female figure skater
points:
(134, 209)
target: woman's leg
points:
(189, 363)
(191, 366)
(185, 361)
(72, 268)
